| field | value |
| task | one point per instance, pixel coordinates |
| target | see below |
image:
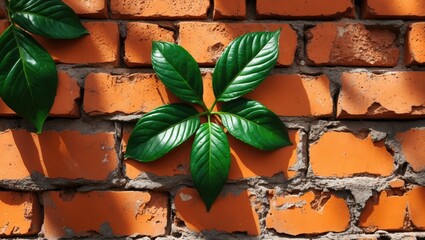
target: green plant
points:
(244, 64)
(28, 75)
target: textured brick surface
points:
(290, 213)
(387, 95)
(341, 154)
(414, 52)
(351, 45)
(106, 213)
(235, 9)
(89, 8)
(206, 41)
(20, 214)
(191, 210)
(412, 145)
(296, 9)
(394, 9)
(159, 9)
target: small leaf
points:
(161, 130)
(210, 162)
(178, 71)
(28, 76)
(244, 64)
(48, 18)
(254, 124)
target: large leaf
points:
(244, 64)
(48, 18)
(178, 71)
(161, 130)
(254, 124)
(210, 162)
(28, 76)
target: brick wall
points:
(349, 84)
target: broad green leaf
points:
(28, 76)
(254, 124)
(244, 64)
(48, 18)
(210, 162)
(178, 71)
(161, 130)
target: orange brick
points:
(386, 212)
(207, 40)
(65, 154)
(100, 47)
(65, 105)
(235, 9)
(138, 45)
(406, 9)
(396, 183)
(414, 52)
(159, 9)
(107, 214)
(20, 214)
(295, 95)
(342, 154)
(89, 8)
(416, 206)
(244, 164)
(222, 217)
(351, 45)
(289, 214)
(306, 9)
(387, 95)
(413, 144)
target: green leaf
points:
(178, 71)
(28, 76)
(48, 18)
(244, 64)
(254, 124)
(210, 162)
(161, 130)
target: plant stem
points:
(213, 105)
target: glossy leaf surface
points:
(178, 71)
(254, 124)
(161, 130)
(244, 64)
(28, 76)
(48, 18)
(210, 162)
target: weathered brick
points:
(396, 183)
(138, 44)
(89, 8)
(306, 9)
(65, 105)
(290, 213)
(406, 9)
(342, 154)
(235, 9)
(351, 45)
(159, 9)
(108, 214)
(207, 40)
(414, 52)
(387, 95)
(245, 161)
(295, 95)
(20, 214)
(65, 154)
(413, 145)
(222, 217)
(101, 46)
(416, 207)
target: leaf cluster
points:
(243, 65)
(28, 75)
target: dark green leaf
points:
(254, 124)
(244, 64)
(210, 162)
(48, 18)
(161, 130)
(178, 71)
(28, 76)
